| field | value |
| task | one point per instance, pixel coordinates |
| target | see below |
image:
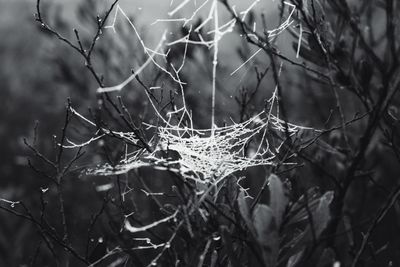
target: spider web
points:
(210, 155)
(203, 155)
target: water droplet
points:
(44, 190)
(101, 240)
(216, 238)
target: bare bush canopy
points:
(211, 133)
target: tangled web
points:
(207, 155)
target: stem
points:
(215, 63)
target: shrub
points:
(287, 158)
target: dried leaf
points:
(278, 198)
(294, 259)
(266, 233)
(322, 214)
(298, 212)
(245, 212)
